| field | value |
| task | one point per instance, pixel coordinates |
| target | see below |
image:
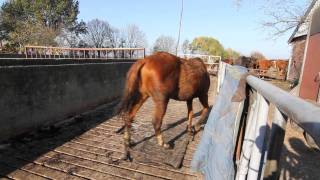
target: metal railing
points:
(43, 52)
(261, 145)
(208, 59)
(212, 62)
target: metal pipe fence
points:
(263, 138)
(44, 52)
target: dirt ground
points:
(298, 160)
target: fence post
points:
(275, 145)
(221, 74)
(26, 51)
(248, 140)
(258, 150)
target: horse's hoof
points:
(197, 128)
(129, 144)
(166, 146)
(126, 156)
(120, 130)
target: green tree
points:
(48, 16)
(231, 54)
(207, 45)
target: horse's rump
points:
(131, 92)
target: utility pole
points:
(178, 41)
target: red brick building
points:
(298, 42)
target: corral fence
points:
(212, 62)
(243, 138)
(271, 73)
(263, 139)
(44, 52)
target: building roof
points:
(303, 26)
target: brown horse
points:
(163, 76)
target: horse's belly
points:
(184, 95)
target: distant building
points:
(298, 42)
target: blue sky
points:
(237, 28)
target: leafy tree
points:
(231, 54)
(164, 43)
(35, 34)
(207, 45)
(51, 15)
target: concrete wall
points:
(37, 95)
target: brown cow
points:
(281, 65)
(247, 62)
(264, 64)
(228, 61)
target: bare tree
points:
(257, 55)
(98, 33)
(68, 39)
(281, 15)
(134, 37)
(117, 40)
(186, 46)
(164, 43)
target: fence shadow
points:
(299, 161)
(26, 148)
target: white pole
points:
(221, 74)
(258, 150)
(249, 139)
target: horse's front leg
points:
(190, 115)
(159, 112)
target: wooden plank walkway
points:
(89, 148)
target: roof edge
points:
(302, 21)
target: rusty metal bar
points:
(95, 52)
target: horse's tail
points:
(131, 93)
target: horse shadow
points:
(170, 126)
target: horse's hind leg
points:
(190, 115)
(128, 123)
(159, 112)
(132, 114)
(204, 101)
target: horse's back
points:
(160, 73)
(194, 79)
(174, 77)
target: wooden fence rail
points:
(43, 52)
